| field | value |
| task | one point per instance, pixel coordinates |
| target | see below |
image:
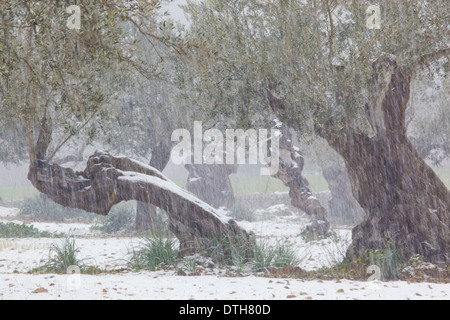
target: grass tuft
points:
(14, 230)
(268, 256)
(151, 254)
(61, 256)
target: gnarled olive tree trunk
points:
(290, 172)
(407, 205)
(107, 181)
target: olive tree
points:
(341, 70)
(61, 70)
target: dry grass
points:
(13, 245)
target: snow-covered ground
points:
(19, 256)
(168, 286)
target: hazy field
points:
(241, 185)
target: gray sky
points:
(176, 12)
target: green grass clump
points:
(252, 256)
(61, 256)
(268, 256)
(389, 260)
(309, 236)
(229, 251)
(14, 230)
(151, 254)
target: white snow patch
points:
(8, 212)
(167, 286)
(172, 187)
(278, 123)
(19, 256)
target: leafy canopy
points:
(64, 78)
(314, 56)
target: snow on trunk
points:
(108, 180)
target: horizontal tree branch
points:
(429, 58)
(108, 180)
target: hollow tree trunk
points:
(211, 183)
(107, 181)
(407, 205)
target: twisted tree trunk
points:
(406, 204)
(107, 181)
(290, 172)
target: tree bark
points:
(290, 172)
(145, 217)
(107, 181)
(406, 204)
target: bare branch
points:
(429, 58)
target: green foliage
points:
(13, 196)
(73, 77)
(152, 253)
(225, 250)
(189, 264)
(267, 256)
(259, 256)
(61, 256)
(428, 116)
(13, 230)
(256, 257)
(11, 142)
(389, 260)
(310, 236)
(314, 57)
(239, 258)
(120, 219)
